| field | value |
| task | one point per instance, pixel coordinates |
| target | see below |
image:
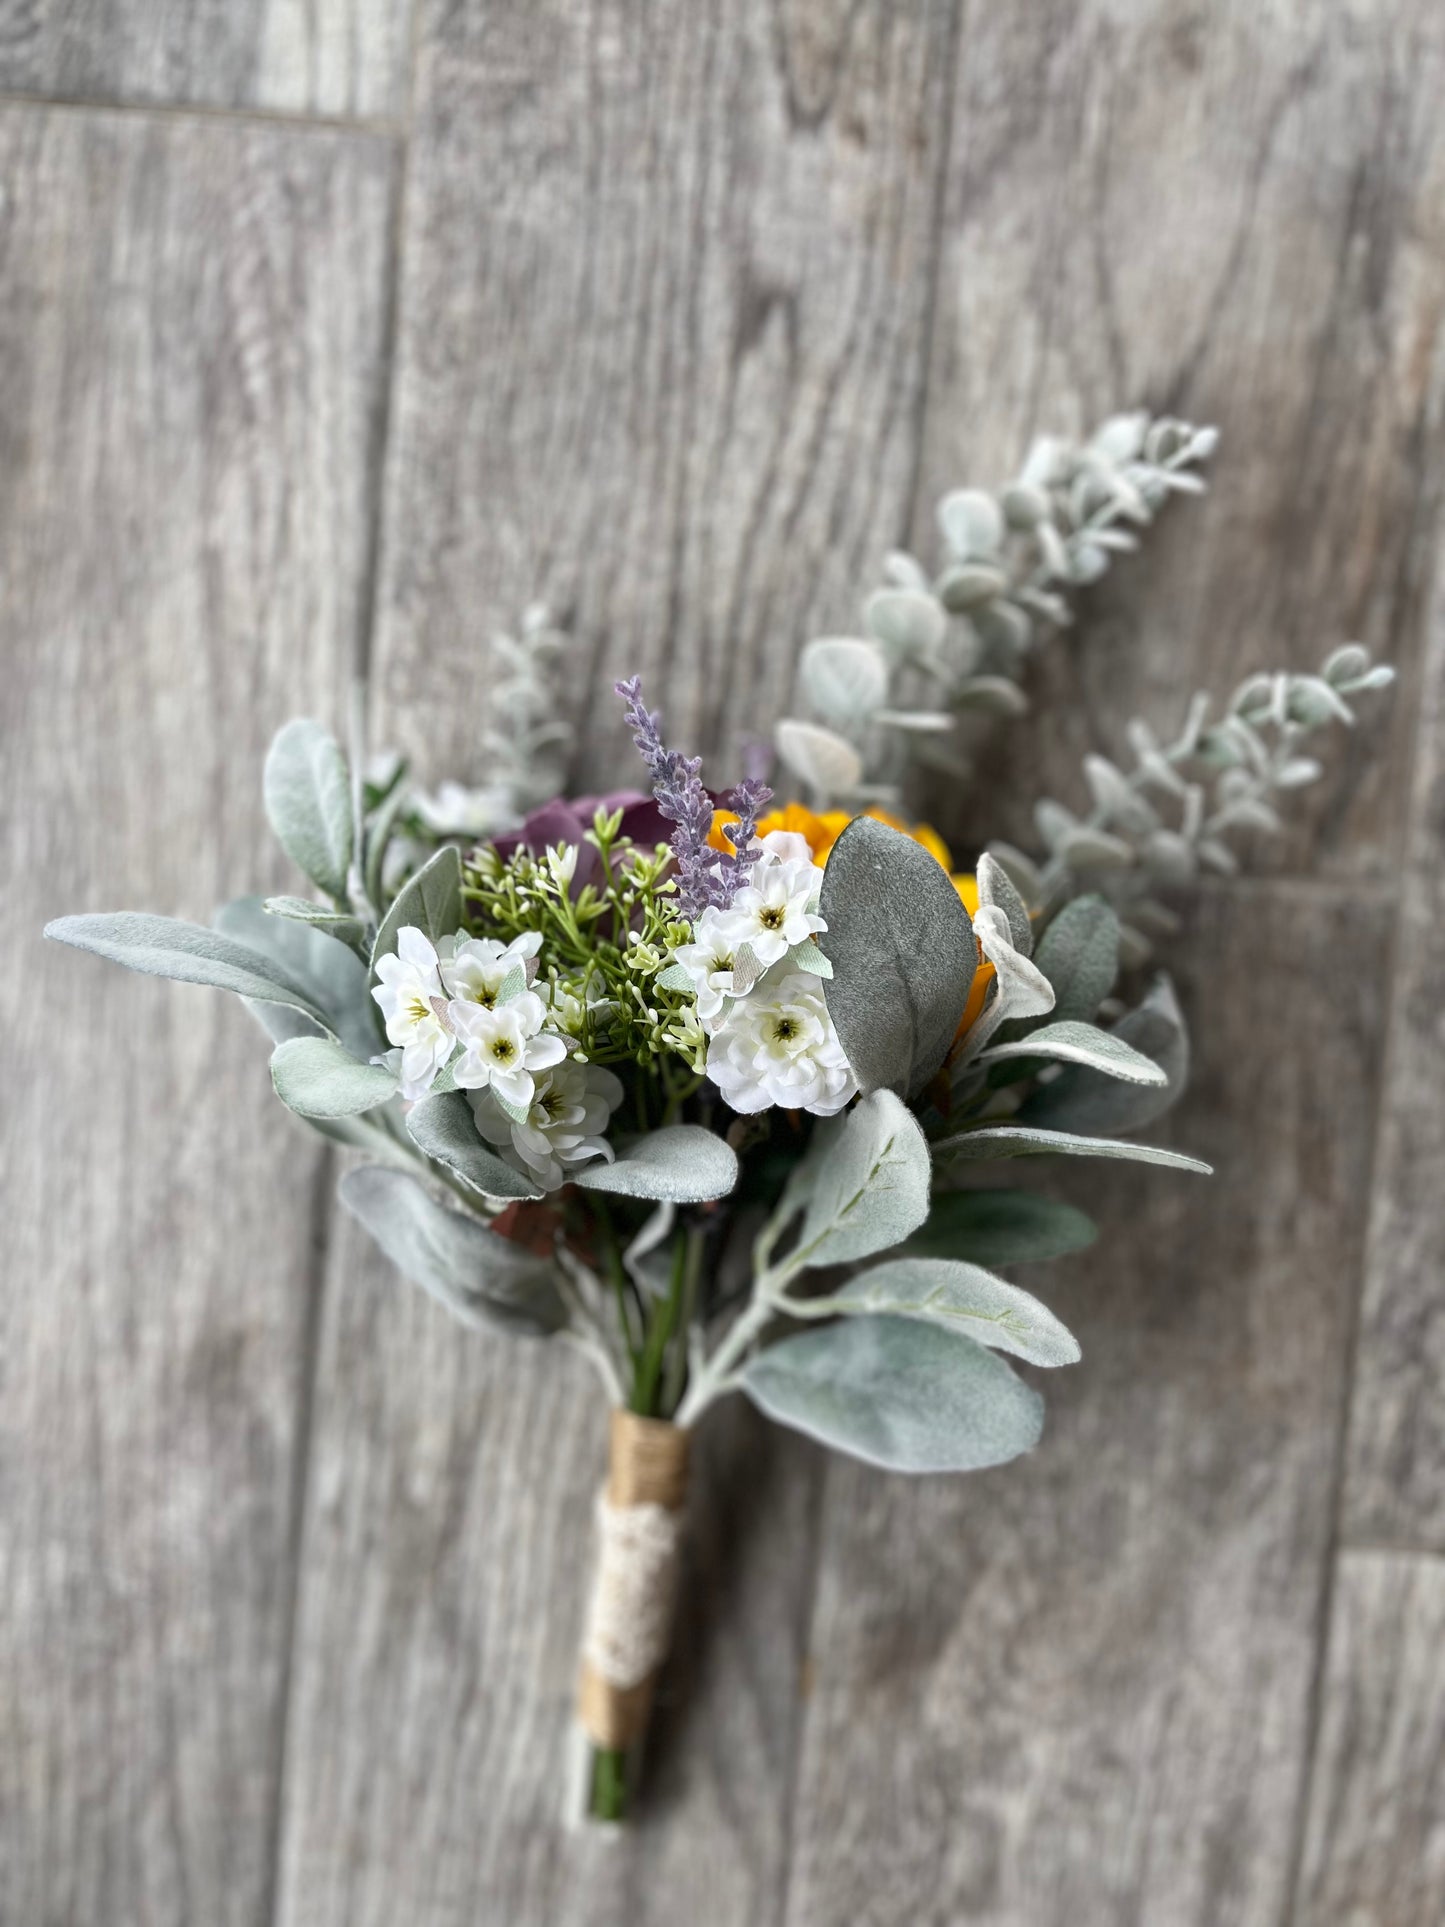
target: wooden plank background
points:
(339, 332)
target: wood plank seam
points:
(380, 126)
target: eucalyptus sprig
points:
(937, 646)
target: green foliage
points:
(442, 1126)
(1000, 1228)
(897, 1393)
(309, 804)
(1079, 954)
(862, 1186)
(188, 954)
(964, 1298)
(1026, 1141)
(431, 901)
(1083, 1100)
(680, 1164)
(317, 1078)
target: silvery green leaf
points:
(1024, 505)
(442, 1125)
(1083, 1101)
(1071, 1042)
(996, 888)
(1345, 664)
(1029, 1141)
(1380, 677)
(1135, 949)
(647, 1258)
(1054, 823)
(336, 923)
(898, 1394)
(1113, 792)
(863, 1184)
(1004, 630)
(1023, 989)
(1086, 849)
(967, 584)
(1079, 954)
(1000, 1228)
(1053, 552)
(910, 624)
(188, 953)
(827, 764)
(1087, 562)
(316, 1077)
(1021, 870)
(481, 1278)
(378, 839)
(903, 955)
(964, 1298)
(308, 801)
(903, 569)
(675, 978)
(921, 722)
(431, 901)
(1297, 771)
(1121, 438)
(680, 1164)
(747, 968)
(1169, 856)
(844, 679)
(807, 956)
(971, 521)
(1313, 702)
(993, 695)
(330, 972)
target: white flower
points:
(708, 960)
(779, 1046)
(414, 1007)
(475, 968)
(502, 1048)
(776, 908)
(570, 1109)
(455, 810)
(562, 862)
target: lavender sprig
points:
(704, 876)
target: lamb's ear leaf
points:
(1074, 1043)
(898, 1393)
(997, 887)
(317, 1078)
(308, 800)
(903, 955)
(1079, 954)
(965, 1298)
(863, 1184)
(680, 1164)
(330, 971)
(442, 1125)
(481, 1278)
(1001, 1228)
(1026, 1141)
(430, 901)
(187, 953)
(1084, 1101)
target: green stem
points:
(607, 1784)
(661, 1323)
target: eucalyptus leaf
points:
(308, 801)
(1079, 954)
(443, 1126)
(844, 679)
(187, 953)
(1029, 1141)
(430, 901)
(903, 955)
(909, 624)
(863, 1184)
(993, 695)
(1076, 1043)
(481, 1278)
(965, 1298)
(1000, 1228)
(680, 1164)
(898, 1394)
(1084, 1101)
(825, 762)
(317, 1078)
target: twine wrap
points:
(629, 1618)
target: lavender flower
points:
(704, 876)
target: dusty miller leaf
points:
(965, 1298)
(308, 801)
(680, 1164)
(863, 1185)
(317, 1078)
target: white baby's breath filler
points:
(683, 1081)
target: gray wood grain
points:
(1395, 1486)
(1375, 1851)
(1077, 1689)
(331, 57)
(660, 349)
(1236, 214)
(190, 318)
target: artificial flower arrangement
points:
(701, 1084)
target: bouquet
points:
(702, 1083)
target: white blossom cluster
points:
(467, 1005)
(757, 973)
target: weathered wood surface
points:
(1375, 1855)
(191, 322)
(322, 57)
(687, 315)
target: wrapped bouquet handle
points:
(634, 1595)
